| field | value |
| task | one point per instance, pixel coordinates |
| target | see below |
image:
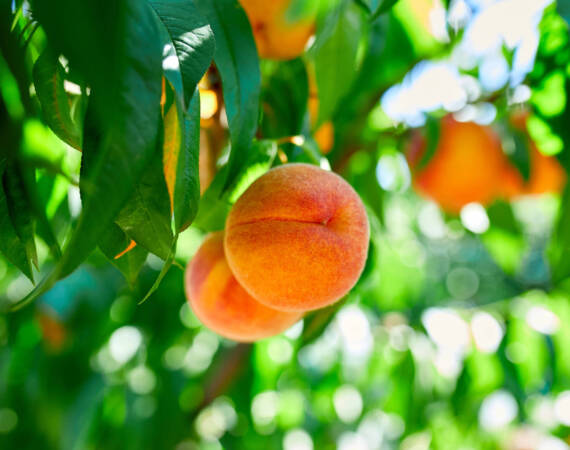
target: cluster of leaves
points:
(120, 85)
(135, 119)
(118, 126)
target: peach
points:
(297, 238)
(467, 166)
(275, 37)
(222, 304)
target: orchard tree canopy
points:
(285, 224)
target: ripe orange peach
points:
(222, 304)
(467, 166)
(297, 238)
(275, 37)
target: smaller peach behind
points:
(297, 238)
(467, 166)
(275, 37)
(222, 304)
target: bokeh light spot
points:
(347, 403)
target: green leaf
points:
(41, 148)
(114, 242)
(501, 216)
(10, 244)
(38, 210)
(182, 172)
(122, 120)
(45, 231)
(48, 77)
(433, 132)
(335, 57)
(14, 65)
(215, 204)
(146, 215)
(515, 143)
(119, 150)
(191, 37)
(92, 36)
(236, 59)
(19, 209)
(521, 155)
(284, 99)
(311, 151)
(165, 268)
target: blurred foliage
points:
(457, 334)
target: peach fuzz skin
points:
(222, 304)
(297, 239)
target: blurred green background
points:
(456, 337)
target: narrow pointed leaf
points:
(432, 136)
(10, 244)
(92, 34)
(38, 208)
(146, 215)
(49, 77)
(19, 209)
(335, 58)
(119, 150)
(165, 268)
(284, 97)
(122, 120)
(41, 288)
(191, 37)
(181, 159)
(238, 63)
